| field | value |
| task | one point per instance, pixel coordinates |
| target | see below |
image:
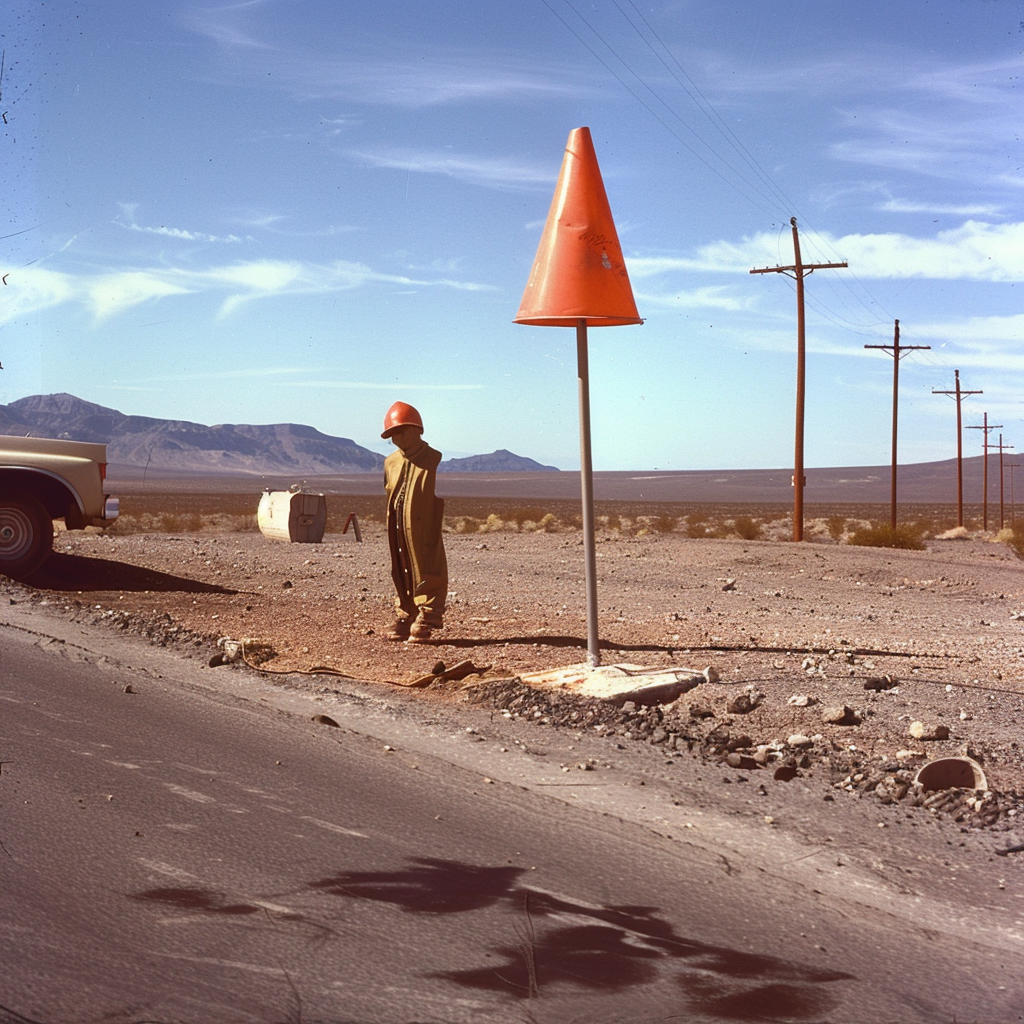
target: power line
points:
(707, 109)
(657, 116)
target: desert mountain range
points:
(185, 447)
(179, 449)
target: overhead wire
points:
(762, 192)
(656, 115)
(775, 195)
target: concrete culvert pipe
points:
(952, 773)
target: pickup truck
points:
(42, 480)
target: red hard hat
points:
(401, 415)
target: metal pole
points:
(798, 456)
(1001, 521)
(984, 477)
(895, 411)
(587, 488)
(959, 458)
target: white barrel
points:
(293, 516)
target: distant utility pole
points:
(959, 446)
(1002, 447)
(897, 351)
(986, 426)
(1011, 466)
(798, 271)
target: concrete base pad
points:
(621, 683)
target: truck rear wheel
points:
(26, 536)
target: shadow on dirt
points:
(76, 572)
(546, 640)
(603, 949)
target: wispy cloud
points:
(951, 123)
(950, 209)
(32, 289)
(287, 377)
(490, 172)
(712, 297)
(975, 251)
(383, 70)
(182, 233)
(389, 385)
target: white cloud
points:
(32, 289)
(182, 233)
(384, 70)
(114, 293)
(976, 328)
(390, 385)
(495, 173)
(951, 209)
(712, 297)
(976, 251)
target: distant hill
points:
(501, 461)
(181, 448)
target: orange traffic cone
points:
(578, 272)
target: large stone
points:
(743, 703)
(624, 683)
(840, 714)
(925, 731)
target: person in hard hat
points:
(419, 567)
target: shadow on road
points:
(609, 949)
(76, 572)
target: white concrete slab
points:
(621, 683)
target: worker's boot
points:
(422, 630)
(400, 629)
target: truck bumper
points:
(111, 510)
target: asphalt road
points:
(206, 852)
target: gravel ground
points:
(835, 662)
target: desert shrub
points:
(173, 522)
(663, 524)
(696, 525)
(836, 525)
(879, 535)
(548, 523)
(746, 528)
(927, 527)
(467, 524)
(1016, 538)
(521, 516)
(493, 524)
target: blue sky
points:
(276, 211)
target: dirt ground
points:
(828, 655)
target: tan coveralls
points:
(418, 563)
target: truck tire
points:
(26, 536)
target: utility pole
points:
(798, 271)
(1002, 447)
(1011, 466)
(959, 446)
(986, 426)
(897, 350)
